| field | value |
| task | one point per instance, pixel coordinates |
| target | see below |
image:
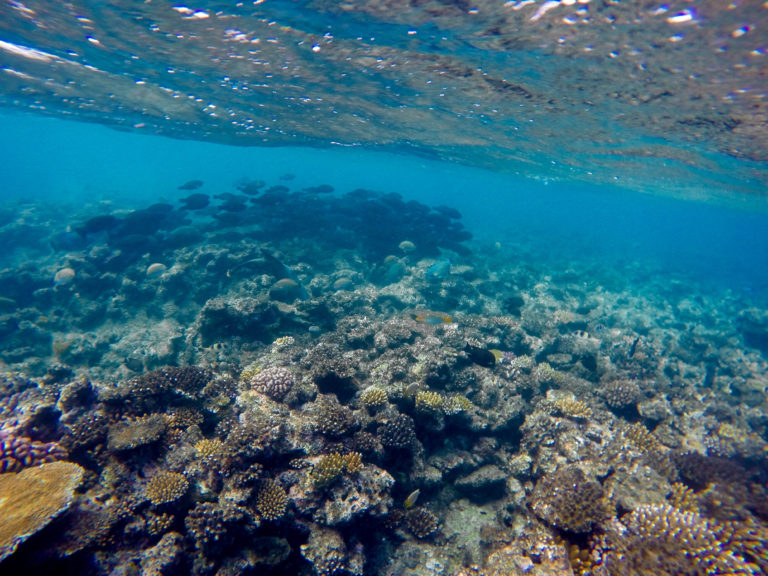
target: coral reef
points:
(30, 499)
(275, 382)
(569, 501)
(271, 501)
(165, 487)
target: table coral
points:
(32, 498)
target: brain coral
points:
(275, 382)
(32, 498)
(17, 452)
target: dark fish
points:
(97, 224)
(287, 176)
(196, 201)
(448, 211)
(321, 189)
(191, 185)
(250, 187)
(480, 356)
(633, 348)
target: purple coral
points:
(275, 382)
(17, 452)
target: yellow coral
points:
(572, 408)
(30, 499)
(249, 372)
(165, 487)
(641, 438)
(331, 466)
(271, 501)
(373, 397)
(428, 401)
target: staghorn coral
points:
(421, 522)
(131, 433)
(660, 539)
(572, 408)
(32, 498)
(567, 500)
(428, 402)
(166, 487)
(642, 439)
(373, 397)
(398, 432)
(275, 382)
(683, 498)
(17, 452)
(271, 501)
(331, 466)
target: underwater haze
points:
(381, 287)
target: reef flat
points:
(277, 381)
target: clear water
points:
(609, 161)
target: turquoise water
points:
(374, 288)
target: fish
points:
(411, 499)
(480, 356)
(195, 201)
(439, 269)
(432, 318)
(191, 185)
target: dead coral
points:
(131, 433)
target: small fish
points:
(410, 501)
(191, 185)
(432, 318)
(633, 348)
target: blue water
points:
(710, 243)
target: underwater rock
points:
(165, 557)
(30, 499)
(222, 319)
(487, 483)
(326, 552)
(753, 324)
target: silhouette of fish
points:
(191, 185)
(196, 201)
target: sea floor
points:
(295, 382)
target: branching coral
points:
(331, 466)
(165, 487)
(271, 501)
(660, 539)
(569, 501)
